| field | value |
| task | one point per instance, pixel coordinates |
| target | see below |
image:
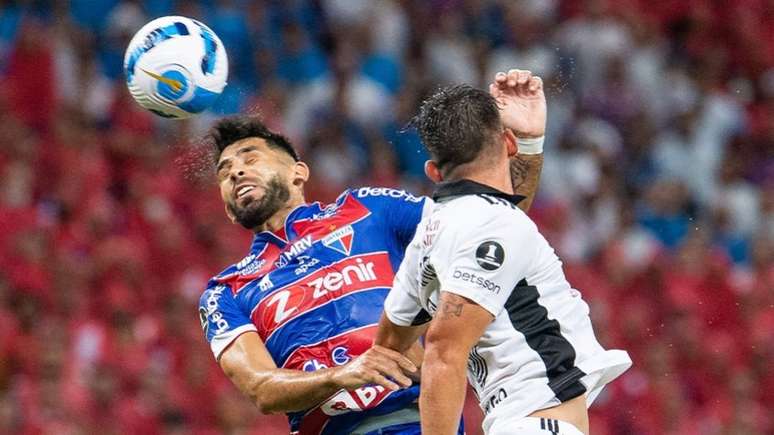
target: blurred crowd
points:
(657, 191)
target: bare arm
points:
(522, 105)
(457, 326)
(525, 176)
(252, 370)
(403, 339)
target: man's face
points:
(254, 181)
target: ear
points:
(432, 172)
(511, 143)
(300, 174)
(230, 214)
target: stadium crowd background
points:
(658, 192)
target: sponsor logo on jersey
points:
(305, 263)
(326, 213)
(313, 365)
(340, 355)
(245, 261)
(495, 399)
(295, 249)
(210, 312)
(490, 255)
(336, 350)
(203, 320)
(321, 286)
(386, 191)
(265, 283)
(340, 240)
(431, 229)
(476, 280)
(357, 400)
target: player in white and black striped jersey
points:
(492, 285)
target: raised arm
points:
(525, 176)
(250, 367)
(522, 104)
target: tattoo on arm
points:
(525, 177)
(449, 309)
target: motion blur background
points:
(658, 192)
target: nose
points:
(237, 173)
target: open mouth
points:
(244, 190)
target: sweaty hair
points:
(235, 128)
(456, 124)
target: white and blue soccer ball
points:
(175, 67)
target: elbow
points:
(444, 353)
(265, 404)
(265, 407)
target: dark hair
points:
(235, 128)
(456, 123)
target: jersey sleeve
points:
(484, 257)
(401, 210)
(402, 305)
(221, 318)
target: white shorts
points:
(532, 426)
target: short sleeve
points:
(402, 305)
(483, 258)
(221, 317)
(401, 210)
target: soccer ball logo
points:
(175, 67)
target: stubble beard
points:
(256, 213)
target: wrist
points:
(332, 377)
(531, 145)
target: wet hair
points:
(456, 123)
(229, 130)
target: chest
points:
(317, 269)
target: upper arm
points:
(245, 357)
(484, 256)
(457, 326)
(221, 317)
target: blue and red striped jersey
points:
(314, 292)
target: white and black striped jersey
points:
(540, 349)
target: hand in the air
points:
(522, 102)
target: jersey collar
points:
(286, 233)
(470, 187)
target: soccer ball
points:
(175, 67)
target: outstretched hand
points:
(522, 102)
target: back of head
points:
(459, 124)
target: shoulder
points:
(384, 194)
(475, 213)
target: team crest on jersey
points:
(340, 240)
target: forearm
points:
(525, 177)
(282, 390)
(443, 393)
(398, 338)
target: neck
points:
(277, 220)
(498, 177)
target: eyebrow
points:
(244, 150)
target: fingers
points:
(402, 361)
(535, 84)
(378, 379)
(391, 364)
(515, 81)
